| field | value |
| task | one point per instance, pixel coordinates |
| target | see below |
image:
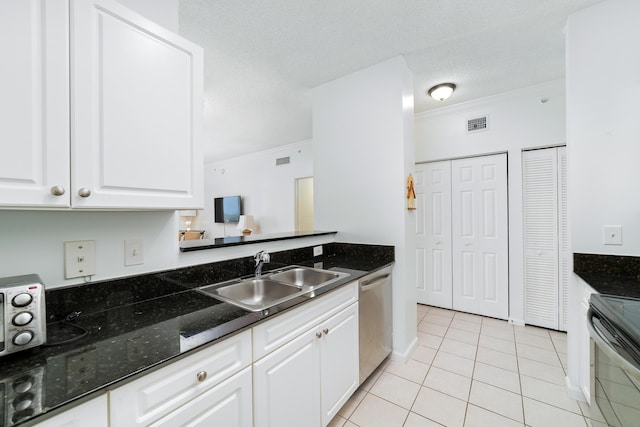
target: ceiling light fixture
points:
(442, 91)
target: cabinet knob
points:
(57, 190)
(84, 192)
(319, 334)
(201, 376)
(326, 331)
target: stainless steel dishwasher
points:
(375, 320)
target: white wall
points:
(363, 139)
(603, 100)
(32, 242)
(267, 190)
(603, 104)
(517, 120)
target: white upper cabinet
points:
(34, 103)
(136, 111)
(119, 126)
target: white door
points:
(547, 261)
(136, 111)
(34, 103)
(339, 361)
(480, 235)
(433, 240)
(286, 384)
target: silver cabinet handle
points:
(326, 331)
(201, 376)
(57, 190)
(319, 334)
(84, 192)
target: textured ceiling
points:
(263, 57)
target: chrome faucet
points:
(260, 258)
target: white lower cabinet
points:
(585, 352)
(190, 391)
(227, 404)
(307, 380)
(92, 413)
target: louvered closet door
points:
(541, 231)
(565, 249)
(480, 235)
(433, 240)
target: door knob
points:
(319, 334)
(326, 331)
(57, 190)
(84, 192)
(201, 376)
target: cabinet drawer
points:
(227, 404)
(153, 396)
(272, 334)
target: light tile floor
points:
(470, 370)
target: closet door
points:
(480, 235)
(547, 261)
(433, 241)
(566, 265)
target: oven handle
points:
(605, 345)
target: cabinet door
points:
(136, 111)
(339, 361)
(34, 103)
(92, 413)
(433, 238)
(286, 384)
(227, 404)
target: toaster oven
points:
(22, 313)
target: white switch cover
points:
(79, 258)
(612, 234)
(133, 252)
(317, 250)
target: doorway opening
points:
(304, 204)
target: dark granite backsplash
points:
(609, 274)
(99, 296)
(613, 265)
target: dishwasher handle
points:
(374, 282)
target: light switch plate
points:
(317, 250)
(133, 252)
(612, 234)
(79, 258)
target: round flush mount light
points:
(442, 91)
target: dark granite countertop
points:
(609, 274)
(223, 242)
(128, 327)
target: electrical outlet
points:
(79, 258)
(612, 234)
(133, 252)
(317, 250)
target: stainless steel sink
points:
(310, 278)
(257, 294)
(253, 294)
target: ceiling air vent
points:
(477, 124)
(283, 161)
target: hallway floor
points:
(470, 370)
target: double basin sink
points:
(260, 293)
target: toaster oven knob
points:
(23, 384)
(23, 338)
(22, 299)
(22, 319)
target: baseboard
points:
(405, 355)
(574, 392)
(516, 322)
